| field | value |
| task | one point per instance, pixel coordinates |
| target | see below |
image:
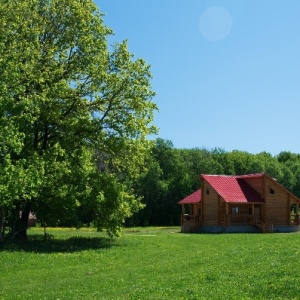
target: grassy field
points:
(151, 263)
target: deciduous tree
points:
(64, 93)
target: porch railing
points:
(239, 219)
(189, 222)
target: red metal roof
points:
(192, 198)
(234, 188)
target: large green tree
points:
(75, 114)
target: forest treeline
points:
(171, 174)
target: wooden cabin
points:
(246, 203)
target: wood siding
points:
(210, 206)
(277, 209)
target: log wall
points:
(277, 209)
(210, 206)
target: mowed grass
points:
(151, 263)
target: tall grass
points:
(151, 263)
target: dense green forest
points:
(170, 174)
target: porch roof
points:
(233, 188)
(192, 198)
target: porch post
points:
(289, 210)
(227, 215)
(219, 210)
(297, 213)
(252, 215)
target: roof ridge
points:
(235, 176)
(251, 175)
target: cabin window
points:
(207, 191)
(250, 211)
(272, 191)
(235, 210)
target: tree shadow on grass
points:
(37, 244)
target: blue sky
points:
(226, 73)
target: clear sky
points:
(226, 73)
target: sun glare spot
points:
(215, 23)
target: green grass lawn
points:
(151, 263)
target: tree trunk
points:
(2, 219)
(22, 224)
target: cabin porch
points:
(229, 214)
(235, 214)
(190, 217)
(241, 213)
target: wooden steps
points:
(263, 227)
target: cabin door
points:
(257, 214)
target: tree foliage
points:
(69, 102)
